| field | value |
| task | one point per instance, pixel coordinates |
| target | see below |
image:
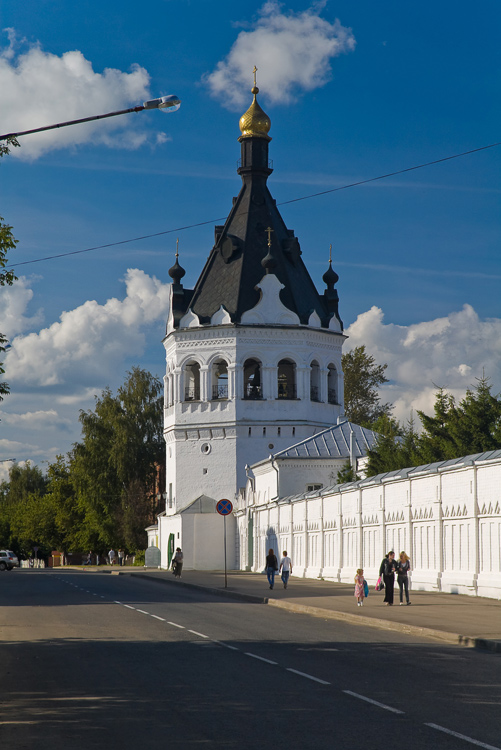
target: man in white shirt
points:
(285, 568)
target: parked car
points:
(8, 560)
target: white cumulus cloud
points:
(88, 343)
(449, 352)
(13, 302)
(293, 52)
(40, 88)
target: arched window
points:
(314, 381)
(219, 380)
(332, 385)
(286, 379)
(192, 382)
(252, 379)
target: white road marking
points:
(200, 634)
(142, 611)
(462, 737)
(226, 645)
(158, 618)
(128, 606)
(261, 658)
(375, 703)
(115, 602)
(175, 625)
(308, 676)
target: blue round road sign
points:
(224, 507)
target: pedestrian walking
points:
(177, 563)
(121, 556)
(359, 587)
(387, 570)
(403, 569)
(89, 558)
(285, 568)
(271, 567)
(111, 556)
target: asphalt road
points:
(102, 661)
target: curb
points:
(455, 639)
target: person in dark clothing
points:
(387, 570)
(403, 568)
(177, 563)
(271, 567)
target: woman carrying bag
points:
(387, 571)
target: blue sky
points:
(353, 90)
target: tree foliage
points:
(456, 429)
(7, 277)
(362, 378)
(103, 493)
(114, 467)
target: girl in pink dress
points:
(359, 587)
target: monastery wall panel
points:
(450, 525)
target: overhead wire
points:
(282, 203)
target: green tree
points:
(7, 242)
(456, 429)
(347, 474)
(362, 378)
(113, 469)
(472, 426)
(23, 481)
(386, 454)
(68, 518)
(21, 499)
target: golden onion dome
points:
(255, 122)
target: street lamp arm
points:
(167, 103)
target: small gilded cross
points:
(177, 247)
(254, 71)
(330, 253)
(269, 231)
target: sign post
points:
(224, 508)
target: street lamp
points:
(170, 103)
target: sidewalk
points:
(450, 618)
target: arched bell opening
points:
(252, 379)
(192, 382)
(286, 375)
(332, 385)
(219, 380)
(315, 381)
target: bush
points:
(139, 557)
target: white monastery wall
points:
(448, 522)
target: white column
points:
(323, 384)
(476, 530)
(233, 370)
(178, 386)
(341, 537)
(269, 382)
(205, 395)
(322, 539)
(360, 530)
(303, 382)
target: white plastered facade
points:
(212, 432)
(447, 519)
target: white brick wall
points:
(448, 522)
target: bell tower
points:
(253, 351)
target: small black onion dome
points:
(176, 272)
(330, 277)
(269, 262)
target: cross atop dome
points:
(255, 123)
